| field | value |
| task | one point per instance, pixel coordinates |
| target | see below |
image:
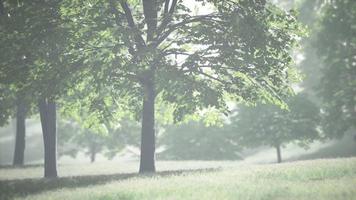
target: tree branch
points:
(138, 38)
(150, 13)
(176, 26)
(167, 17)
(173, 6)
(117, 15)
(214, 78)
(166, 7)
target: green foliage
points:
(74, 137)
(97, 57)
(32, 47)
(67, 134)
(249, 57)
(195, 140)
(270, 125)
(126, 133)
(336, 44)
(6, 105)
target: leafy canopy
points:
(336, 44)
(270, 125)
(240, 49)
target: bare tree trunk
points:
(20, 135)
(279, 156)
(147, 158)
(92, 153)
(92, 157)
(48, 121)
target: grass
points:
(315, 179)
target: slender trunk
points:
(92, 153)
(92, 157)
(2, 9)
(279, 156)
(147, 158)
(48, 121)
(20, 135)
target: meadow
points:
(184, 180)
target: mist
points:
(121, 99)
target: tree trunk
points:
(20, 135)
(279, 156)
(92, 153)
(48, 121)
(2, 9)
(92, 157)
(147, 157)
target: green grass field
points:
(315, 179)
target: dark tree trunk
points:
(150, 13)
(147, 158)
(92, 157)
(279, 156)
(2, 9)
(20, 135)
(92, 153)
(48, 121)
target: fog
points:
(344, 147)
(200, 99)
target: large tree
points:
(192, 59)
(336, 45)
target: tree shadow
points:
(10, 189)
(20, 166)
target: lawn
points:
(314, 179)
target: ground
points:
(314, 179)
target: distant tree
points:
(125, 134)
(311, 64)
(93, 123)
(73, 139)
(67, 132)
(193, 60)
(195, 140)
(269, 125)
(336, 44)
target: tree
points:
(19, 152)
(72, 139)
(126, 134)
(33, 40)
(9, 95)
(195, 140)
(270, 125)
(336, 44)
(311, 64)
(192, 60)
